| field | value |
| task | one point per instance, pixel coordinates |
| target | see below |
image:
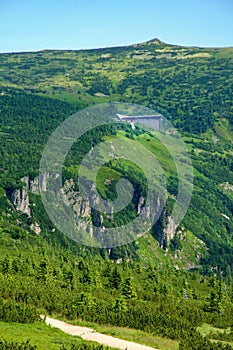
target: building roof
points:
(130, 117)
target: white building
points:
(154, 121)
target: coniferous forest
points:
(177, 287)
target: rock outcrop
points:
(21, 201)
(75, 200)
(92, 220)
(164, 230)
(170, 229)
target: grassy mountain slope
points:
(151, 288)
(193, 86)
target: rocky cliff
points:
(164, 229)
(20, 199)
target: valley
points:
(162, 288)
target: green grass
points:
(41, 335)
(206, 330)
(192, 249)
(150, 251)
(46, 337)
(223, 129)
(162, 154)
(104, 176)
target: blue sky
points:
(29, 25)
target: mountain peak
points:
(154, 41)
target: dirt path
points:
(91, 334)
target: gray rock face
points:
(170, 229)
(165, 229)
(32, 185)
(91, 220)
(141, 204)
(20, 199)
(83, 207)
(75, 200)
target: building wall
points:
(156, 124)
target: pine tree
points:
(120, 305)
(128, 290)
(115, 279)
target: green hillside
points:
(166, 284)
(193, 86)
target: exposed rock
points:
(43, 178)
(165, 229)
(170, 229)
(225, 216)
(118, 261)
(215, 139)
(75, 200)
(92, 219)
(227, 186)
(20, 199)
(36, 228)
(141, 204)
(31, 184)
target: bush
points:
(10, 311)
(16, 346)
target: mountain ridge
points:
(155, 40)
(172, 280)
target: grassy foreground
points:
(41, 335)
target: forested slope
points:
(166, 289)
